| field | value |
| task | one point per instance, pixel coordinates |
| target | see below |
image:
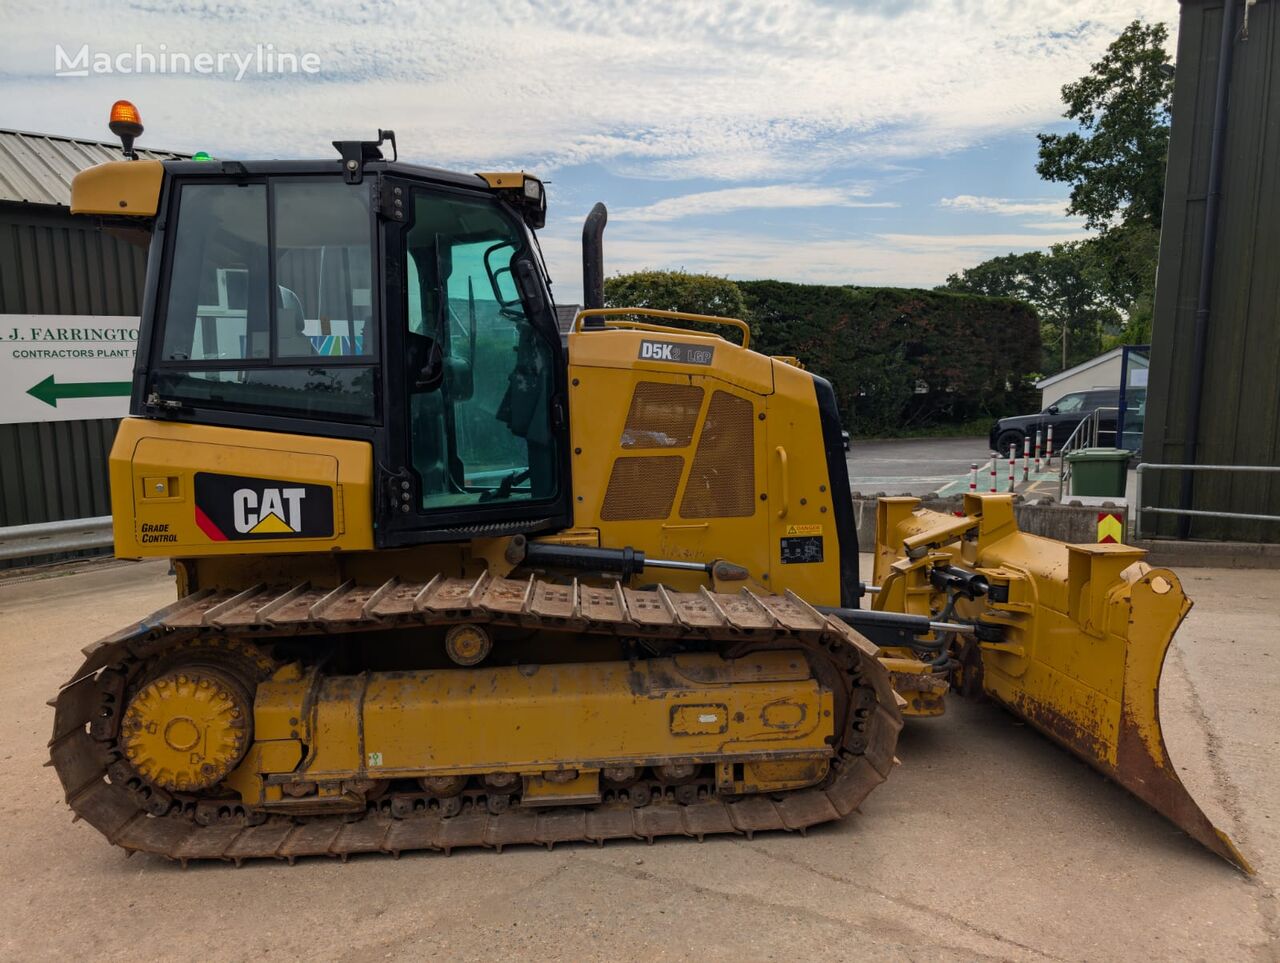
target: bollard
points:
(973, 477)
(1048, 454)
(1037, 451)
(994, 458)
(1026, 457)
(1013, 461)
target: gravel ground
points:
(987, 842)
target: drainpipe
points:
(1208, 254)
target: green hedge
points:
(675, 291)
(899, 358)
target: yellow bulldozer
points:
(444, 582)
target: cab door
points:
(476, 426)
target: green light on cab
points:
(201, 155)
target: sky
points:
(871, 142)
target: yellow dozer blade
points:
(1071, 638)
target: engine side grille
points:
(642, 487)
(662, 415)
(722, 482)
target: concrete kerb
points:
(1077, 523)
(1066, 523)
(1204, 554)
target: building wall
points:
(1103, 375)
(1240, 413)
(52, 263)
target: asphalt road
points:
(987, 842)
(914, 466)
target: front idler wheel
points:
(188, 728)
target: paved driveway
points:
(915, 466)
(988, 842)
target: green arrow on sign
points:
(49, 391)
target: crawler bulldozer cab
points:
(407, 308)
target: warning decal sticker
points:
(803, 530)
(802, 548)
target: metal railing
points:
(1088, 434)
(55, 538)
(1139, 510)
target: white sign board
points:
(65, 367)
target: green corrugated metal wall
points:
(1240, 413)
(51, 263)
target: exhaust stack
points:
(593, 257)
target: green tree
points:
(1066, 286)
(1006, 276)
(1115, 163)
(675, 291)
(1094, 294)
(1126, 256)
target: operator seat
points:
(291, 342)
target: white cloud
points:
(1009, 207)
(912, 260)
(963, 242)
(1058, 225)
(766, 102)
(741, 91)
(733, 199)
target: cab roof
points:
(223, 167)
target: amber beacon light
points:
(126, 123)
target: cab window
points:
(269, 305)
(480, 375)
(218, 307)
(324, 269)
